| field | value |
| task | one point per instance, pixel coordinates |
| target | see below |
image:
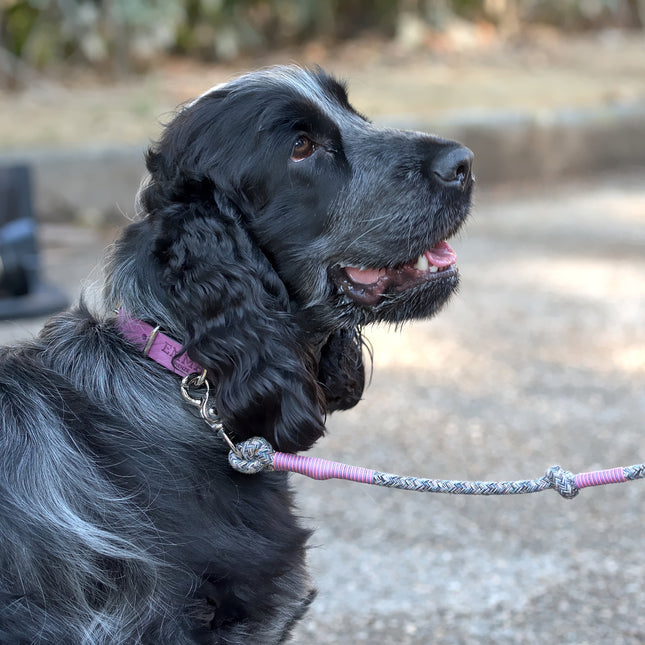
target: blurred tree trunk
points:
(117, 34)
(637, 11)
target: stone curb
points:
(91, 185)
(97, 185)
(544, 146)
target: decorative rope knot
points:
(562, 481)
(252, 456)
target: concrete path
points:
(539, 360)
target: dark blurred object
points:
(22, 294)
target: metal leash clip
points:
(195, 389)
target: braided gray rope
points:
(256, 454)
(555, 477)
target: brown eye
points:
(303, 148)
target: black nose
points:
(453, 166)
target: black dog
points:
(276, 222)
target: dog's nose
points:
(453, 166)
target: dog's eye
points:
(303, 148)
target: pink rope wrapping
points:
(600, 477)
(321, 468)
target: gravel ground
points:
(539, 360)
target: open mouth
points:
(367, 285)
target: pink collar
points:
(155, 345)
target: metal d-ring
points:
(151, 339)
(201, 379)
(195, 380)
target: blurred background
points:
(104, 75)
(540, 358)
(121, 36)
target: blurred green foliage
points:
(127, 34)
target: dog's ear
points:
(215, 287)
(341, 371)
(232, 308)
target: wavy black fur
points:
(120, 519)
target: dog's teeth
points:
(434, 269)
(422, 263)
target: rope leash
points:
(256, 454)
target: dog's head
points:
(353, 218)
(279, 220)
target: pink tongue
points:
(364, 276)
(441, 255)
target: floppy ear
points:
(223, 294)
(341, 371)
